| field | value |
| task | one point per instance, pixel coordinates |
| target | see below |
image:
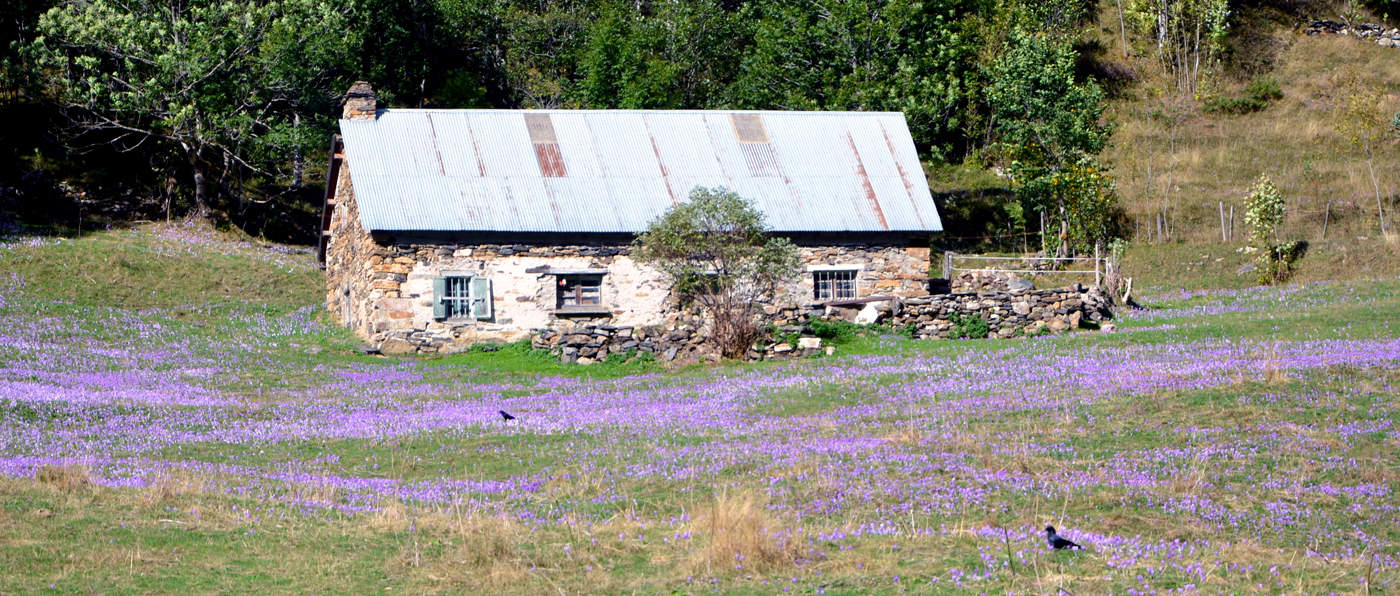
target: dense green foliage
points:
(1050, 125)
(1256, 97)
(219, 88)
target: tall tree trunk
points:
(201, 190)
(1122, 29)
(298, 163)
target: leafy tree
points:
(17, 20)
(717, 250)
(432, 53)
(1264, 209)
(899, 55)
(1082, 199)
(1050, 126)
(675, 55)
(229, 90)
(540, 42)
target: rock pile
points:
(1387, 37)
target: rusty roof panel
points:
(617, 170)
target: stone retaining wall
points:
(1008, 314)
(1380, 35)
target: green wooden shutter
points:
(481, 298)
(439, 293)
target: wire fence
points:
(952, 261)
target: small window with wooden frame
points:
(579, 293)
(834, 284)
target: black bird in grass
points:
(1057, 542)
(506, 415)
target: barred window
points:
(834, 285)
(457, 297)
(461, 296)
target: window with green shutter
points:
(481, 298)
(461, 297)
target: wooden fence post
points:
(1326, 218)
(1224, 237)
(1098, 278)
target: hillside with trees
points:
(1056, 125)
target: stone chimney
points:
(359, 102)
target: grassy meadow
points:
(177, 415)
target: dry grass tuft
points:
(171, 484)
(491, 543)
(390, 516)
(68, 479)
(742, 537)
(483, 552)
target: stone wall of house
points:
(881, 270)
(383, 289)
(356, 271)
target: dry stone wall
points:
(1380, 35)
(1007, 314)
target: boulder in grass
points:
(396, 345)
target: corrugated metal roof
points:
(480, 170)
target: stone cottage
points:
(444, 228)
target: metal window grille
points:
(834, 285)
(580, 290)
(458, 297)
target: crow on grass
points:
(506, 416)
(1057, 542)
